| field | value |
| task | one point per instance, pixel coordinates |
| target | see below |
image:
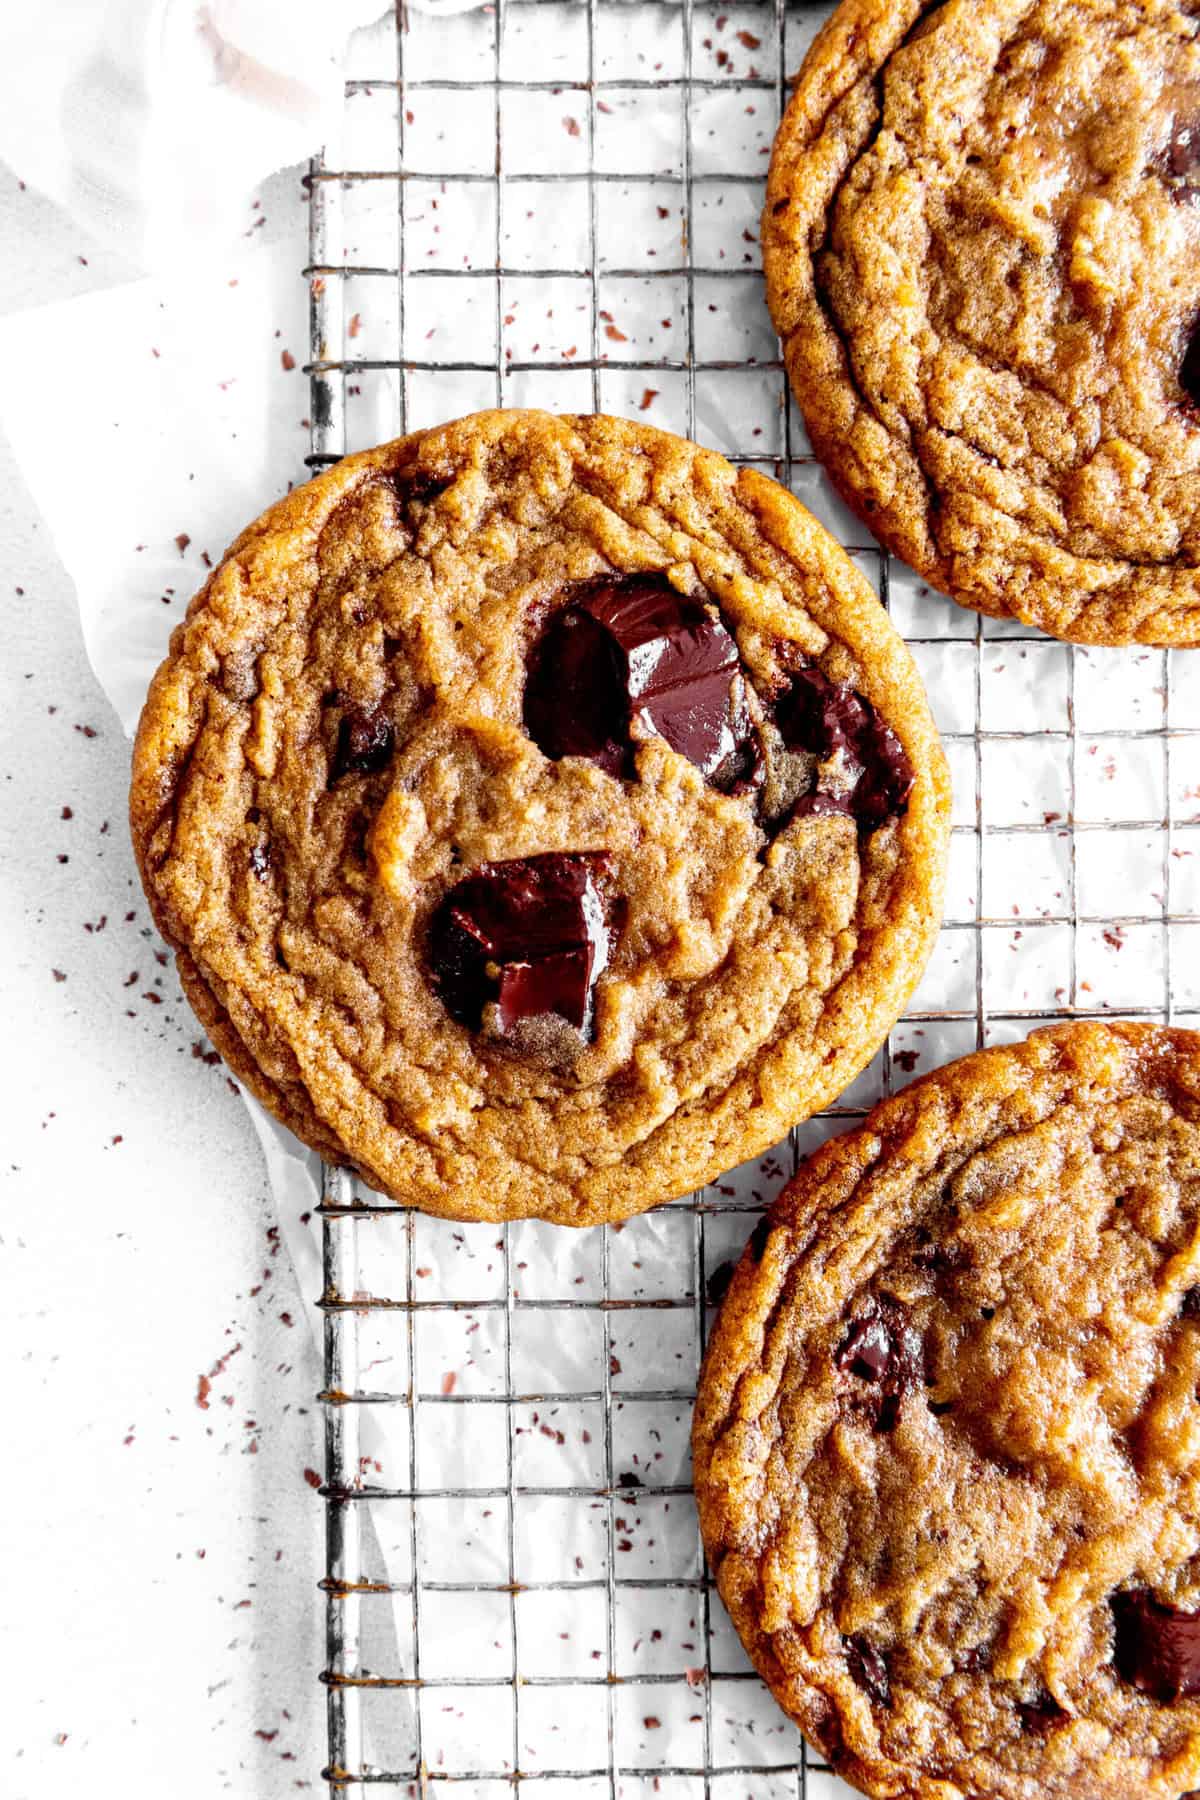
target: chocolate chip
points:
(882, 1350)
(364, 743)
(759, 1236)
(530, 935)
(1183, 161)
(1189, 1306)
(1041, 1713)
(829, 720)
(636, 651)
(629, 1480)
(717, 1285)
(1156, 1648)
(865, 1663)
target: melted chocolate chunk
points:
(1156, 1648)
(530, 935)
(823, 806)
(1189, 1306)
(636, 651)
(865, 1662)
(364, 743)
(1183, 161)
(882, 1350)
(867, 1350)
(826, 718)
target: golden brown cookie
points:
(947, 1440)
(982, 249)
(544, 815)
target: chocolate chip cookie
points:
(947, 1441)
(982, 249)
(544, 815)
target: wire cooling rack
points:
(556, 204)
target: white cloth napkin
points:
(151, 121)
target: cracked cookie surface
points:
(506, 981)
(982, 249)
(947, 1438)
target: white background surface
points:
(160, 1633)
(161, 1629)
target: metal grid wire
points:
(1074, 891)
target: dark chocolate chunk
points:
(1189, 368)
(1183, 161)
(629, 1480)
(364, 743)
(1189, 1306)
(531, 935)
(865, 1662)
(636, 650)
(558, 983)
(882, 1350)
(1156, 1648)
(574, 702)
(825, 717)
